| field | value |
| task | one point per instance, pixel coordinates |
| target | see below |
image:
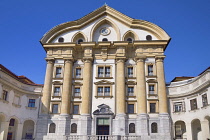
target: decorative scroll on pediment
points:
(103, 109)
(104, 82)
(57, 83)
(77, 83)
(131, 83)
(151, 81)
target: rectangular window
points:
(150, 70)
(76, 91)
(130, 109)
(193, 104)
(130, 91)
(104, 71)
(55, 108)
(178, 107)
(16, 100)
(103, 91)
(5, 94)
(78, 73)
(151, 89)
(76, 109)
(130, 71)
(204, 100)
(107, 91)
(57, 91)
(31, 102)
(58, 72)
(152, 107)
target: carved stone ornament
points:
(104, 82)
(103, 109)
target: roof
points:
(22, 78)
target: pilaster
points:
(19, 131)
(47, 87)
(6, 128)
(161, 85)
(205, 129)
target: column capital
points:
(120, 59)
(87, 59)
(159, 58)
(50, 60)
(68, 60)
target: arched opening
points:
(148, 37)
(180, 130)
(2, 120)
(52, 128)
(104, 39)
(13, 125)
(196, 130)
(132, 128)
(130, 40)
(74, 128)
(60, 39)
(154, 128)
(130, 36)
(28, 129)
(79, 37)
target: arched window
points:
(132, 128)
(12, 122)
(149, 37)
(79, 41)
(104, 39)
(61, 39)
(130, 40)
(52, 128)
(154, 128)
(74, 128)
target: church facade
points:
(105, 80)
(105, 76)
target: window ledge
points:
(78, 78)
(151, 76)
(181, 112)
(131, 113)
(104, 77)
(204, 107)
(16, 105)
(103, 96)
(153, 112)
(77, 97)
(75, 114)
(153, 94)
(54, 113)
(31, 108)
(131, 96)
(56, 96)
(194, 110)
(58, 78)
(130, 77)
(4, 101)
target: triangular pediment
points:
(104, 82)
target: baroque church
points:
(105, 81)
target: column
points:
(47, 87)
(84, 123)
(161, 85)
(141, 86)
(67, 88)
(205, 129)
(142, 118)
(19, 131)
(120, 87)
(6, 127)
(119, 124)
(86, 89)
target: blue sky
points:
(24, 22)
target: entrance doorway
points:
(102, 126)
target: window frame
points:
(77, 110)
(75, 73)
(77, 87)
(147, 70)
(134, 108)
(103, 93)
(104, 74)
(55, 72)
(204, 100)
(193, 104)
(133, 93)
(53, 108)
(5, 95)
(30, 103)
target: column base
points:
(142, 124)
(85, 124)
(41, 127)
(165, 126)
(64, 122)
(119, 125)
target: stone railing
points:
(102, 137)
